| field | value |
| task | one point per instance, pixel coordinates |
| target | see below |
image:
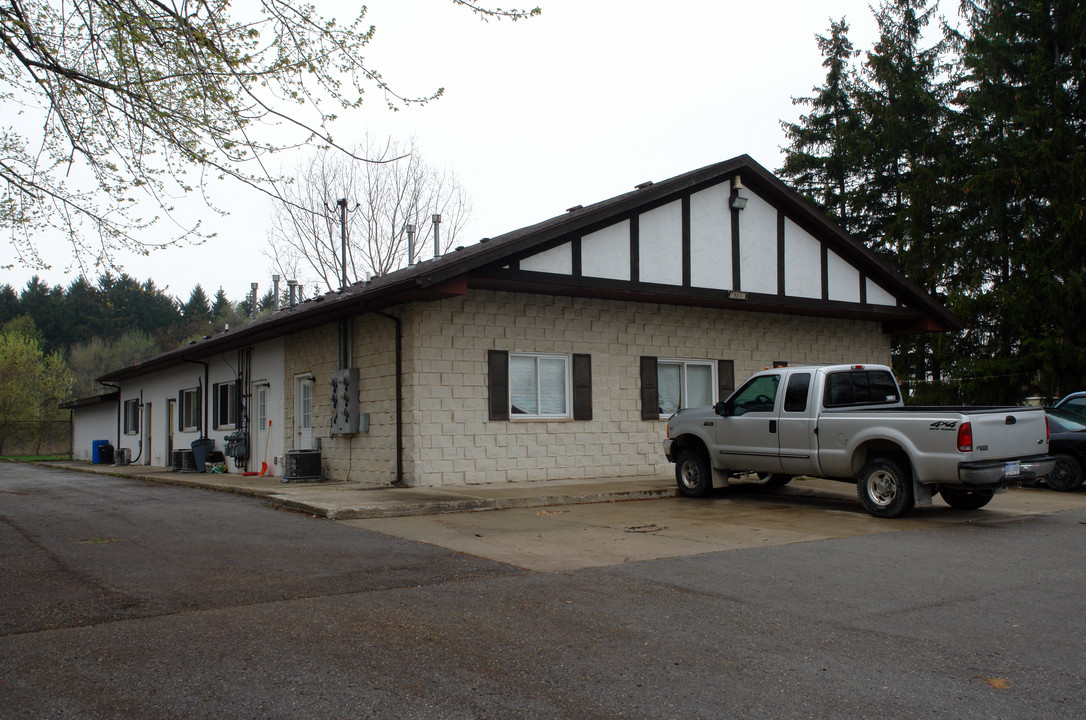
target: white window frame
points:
(190, 405)
(684, 393)
(230, 387)
(132, 417)
(567, 381)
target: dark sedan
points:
(1067, 443)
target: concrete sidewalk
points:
(343, 501)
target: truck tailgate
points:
(1008, 433)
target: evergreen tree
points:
(821, 159)
(906, 152)
(1025, 204)
(45, 305)
(221, 306)
(197, 309)
(9, 304)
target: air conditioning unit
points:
(183, 461)
(302, 466)
(124, 456)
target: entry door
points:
(303, 414)
(258, 453)
(747, 436)
(147, 445)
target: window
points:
(668, 385)
(539, 386)
(860, 387)
(225, 405)
(188, 404)
(795, 397)
(758, 395)
(261, 406)
(131, 417)
(305, 404)
(683, 384)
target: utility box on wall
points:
(345, 414)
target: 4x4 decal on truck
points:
(943, 425)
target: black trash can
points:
(200, 449)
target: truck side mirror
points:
(721, 408)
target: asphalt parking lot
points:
(123, 598)
(570, 537)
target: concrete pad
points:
(571, 537)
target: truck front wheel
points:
(885, 489)
(966, 499)
(693, 474)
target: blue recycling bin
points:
(101, 452)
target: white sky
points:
(575, 106)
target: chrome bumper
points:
(989, 473)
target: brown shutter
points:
(725, 378)
(582, 387)
(498, 381)
(650, 396)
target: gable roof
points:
(496, 263)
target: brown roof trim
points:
(437, 277)
(110, 397)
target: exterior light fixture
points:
(739, 197)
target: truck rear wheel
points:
(885, 489)
(960, 499)
(693, 474)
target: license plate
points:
(1012, 469)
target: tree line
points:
(84, 330)
(962, 159)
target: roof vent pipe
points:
(292, 285)
(252, 303)
(410, 244)
(275, 293)
(437, 235)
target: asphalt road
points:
(124, 599)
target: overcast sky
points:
(575, 106)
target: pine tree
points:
(905, 153)
(1025, 121)
(821, 159)
(197, 309)
(221, 306)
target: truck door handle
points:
(772, 426)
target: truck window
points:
(758, 395)
(795, 397)
(860, 387)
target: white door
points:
(258, 451)
(303, 414)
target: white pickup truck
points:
(848, 422)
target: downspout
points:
(399, 394)
(120, 409)
(140, 453)
(203, 428)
